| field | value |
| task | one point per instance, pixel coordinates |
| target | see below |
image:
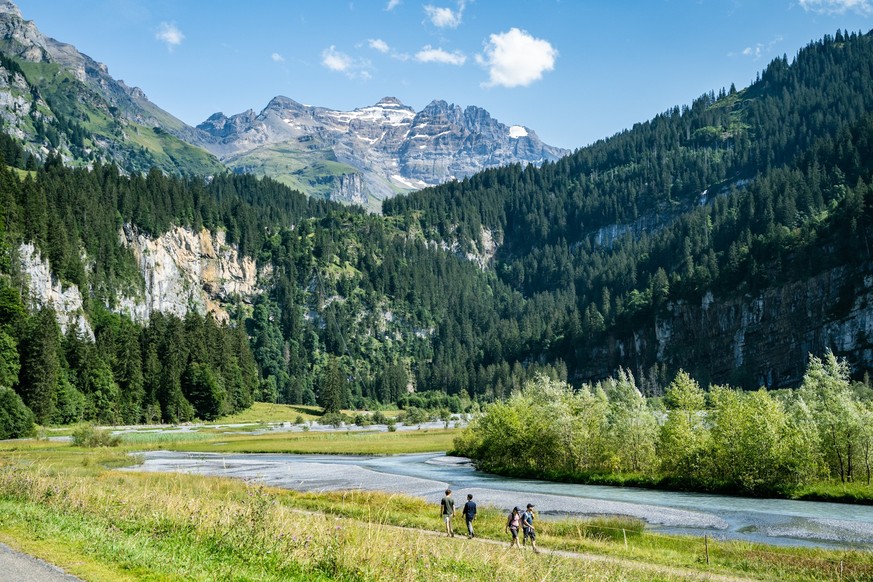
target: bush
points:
(414, 415)
(16, 419)
(379, 417)
(89, 436)
(334, 419)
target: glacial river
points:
(775, 521)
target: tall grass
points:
(172, 526)
(160, 438)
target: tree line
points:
(740, 191)
(722, 439)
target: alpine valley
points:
(157, 271)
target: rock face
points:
(89, 90)
(388, 145)
(184, 270)
(43, 289)
(768, 336)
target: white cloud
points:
(392, 4)
(379, 45)
(759, 49)
(837, 6)
(428, 54)
(341, 62)
(335, 60)
(169, 34)
(445, 17)
(277, 58)
(515, 58)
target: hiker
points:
(469, 514)
(527, 525)
(447, 511)
(512, 524)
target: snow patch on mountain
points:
(389, 144)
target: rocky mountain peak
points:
(390, 102)
(9, 7)
(281, 102)
(388, 145)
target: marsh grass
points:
(324, 442)
(133, 526)
(62, 503)
(160, 438)
(266, 412)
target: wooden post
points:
(706, 545)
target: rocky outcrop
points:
(184, 270)
(754, 340)
(394, 148)
(44, 290)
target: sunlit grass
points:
(62, 503)
(265, 412)
(128, 526)
(327, 442)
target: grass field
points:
(266, 412)
(333, 443)
(67, 505)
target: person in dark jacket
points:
(469, 514)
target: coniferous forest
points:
(742, 191)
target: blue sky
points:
(574, 71)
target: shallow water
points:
(775, 521)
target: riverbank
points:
(66, 505)
(832, 492)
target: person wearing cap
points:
(512, 524)
(447, 511)
(527, 525)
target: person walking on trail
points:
(512, 525)
(447, 511)
(469, 514)
(527, 525)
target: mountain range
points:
(370, 153)
(55, 98)
(728, 237)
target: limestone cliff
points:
(761, 339)
(183, 270)
(43, 289)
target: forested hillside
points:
(641, 251)
(740, 193)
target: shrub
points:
(89, 436)
(334, 419)
(16, 419)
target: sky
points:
(574, 71)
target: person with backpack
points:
(447, 511)
(527, 525)
(512, 524)
(469, 514)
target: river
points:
(774, 521)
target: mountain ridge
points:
(393, 147)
